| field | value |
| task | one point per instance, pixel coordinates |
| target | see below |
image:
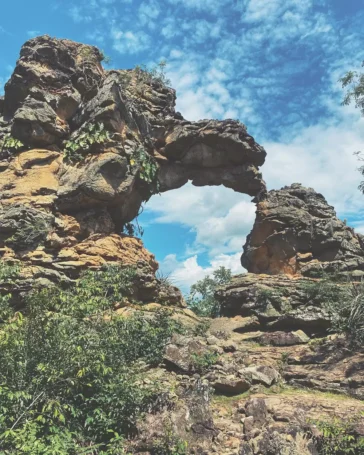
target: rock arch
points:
(59, 88)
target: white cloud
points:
(219, 217)
(321, 157)
(78, 14)
(185, 273)
(130, 42)
(149, 12)
(33, 33)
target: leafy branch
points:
(9, 143)
(147, 168)
(93, 134)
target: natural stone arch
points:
(57, 89)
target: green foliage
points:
(325, 291)
(339, 438)
(201, 328)
(202, 362)
(10, 144)
(8, 277)
(133, 229)
(71, 371)
(148, 76)
(344, 303)
(105, 58)
(146, 168)
(346, 310)
(76, 148)
(201, 299)
(353, 81)
(170, 444)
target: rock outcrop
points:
(277, 302)
(297, 232)
(60, 216)
(81, 148)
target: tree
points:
(201, 299)
(353, 82)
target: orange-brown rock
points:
(297, 232)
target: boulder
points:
(297, 232)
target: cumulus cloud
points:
(321, 157)
(129, 42)
(185, 273)
(219, 217)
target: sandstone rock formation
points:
(297, 232)
(229, 384)
(277, 302)
(60, 216)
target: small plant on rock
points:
(148, 76)
(10, 144)
(202, 362)
(76, 148)
(146, 168)
(339, 437)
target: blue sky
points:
(272, 64)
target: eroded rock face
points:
(274, 303)
(58, 90)
(58, 87)
(297, 232)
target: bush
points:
(339, 438)
(8, 276)
(344, 303)
(76, 148)
(201, 299)
(202, 362)
(71, 370)
(346, 310)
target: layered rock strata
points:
(297, 232)
(61, 216)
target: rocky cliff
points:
(81, 148)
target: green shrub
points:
(76, 148)
(339, 438)
(202, 299)
(71, 370)
(170, 443)
(202, 362)
(8, 276)
(146, 168)
(150, 76)
(346, 310)
(10, 144)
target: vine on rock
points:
(147, 169)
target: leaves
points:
(76, 148)
(146, 168)
(201, 299)
(71, 370)
(10, 144)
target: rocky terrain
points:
(81, 149)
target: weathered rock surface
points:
(274, 302)
(58, 218)
(58, 90)
(297, 232)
